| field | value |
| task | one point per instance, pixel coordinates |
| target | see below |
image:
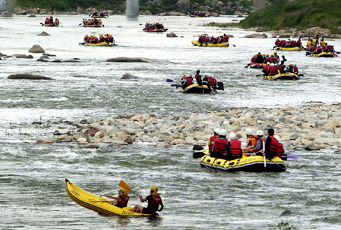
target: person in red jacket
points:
(154, 201)
(280, 149)
(219, 149)
(273, 69)
(271, 144)
(266, 69)
(234, 149)
(212, 139)
(121, 200)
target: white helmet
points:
(268, 63)
(278, 138)
(232, 136)
(272, 64)
(188, 75)
(260, 133)
(217, 131)
(248, 131)
(223, 132)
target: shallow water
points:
(32, 175)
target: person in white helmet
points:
(219, 149)
(234, 149)
(260, 142)
(252, 142)
(212, 139)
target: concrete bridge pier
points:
(7, 5)
(132, 8)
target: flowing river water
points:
(32, 175)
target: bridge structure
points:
(7, 5)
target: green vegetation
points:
(300, 15)
(119, 5)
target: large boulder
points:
(256, 36)
(171, 35)
(43, 34)
(28, 76)
(126, 59)
(36, 49)
(128, 76)
(23, 56)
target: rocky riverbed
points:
(316, 126)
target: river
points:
(32, 175)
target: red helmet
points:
(314, 37)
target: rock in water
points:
(43, 34)
(36, 49)
(126, 59)
(28, 76)
(172, 35)
(128, 76)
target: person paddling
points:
(271, 144)
(212, 139)
(154, 201)
(121, 200)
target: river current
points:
(32, 175)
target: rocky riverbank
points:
(316, 126)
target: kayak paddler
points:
(121, 200)
(154, 201)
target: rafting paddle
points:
(247, 65)
(198, 155)
(169, 80)
(126, 187)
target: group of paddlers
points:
(101, 14)
(207, 80)
(152, 26)
(315, 46)
(274, 69)
(93, 39)
(49, 21)
(93, 21)
(198, 13)
(289, 43)
(214, 40)
(221, 147)
(265, 58)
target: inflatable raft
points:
(91, 201)
(196, 88)
(288, 48)
(257, 65)
(286, 76)
(323, 54)
(197, 16)
(197, 43)
(246, 163)
(96, 25)
(51, 25)
(97, 44)
(155, 30)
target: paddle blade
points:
(124, 185)
(198, 147)
(169, 80)
(294, 157)
(336, 55)
(198, 155)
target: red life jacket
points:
(280, 150)
(273, 145)
(189, 81)
(212, 81)
(235, 147)
(281, 68)
(201, 39)
(212, 141)
(273, 70)
(271, 59)
(154, 205)
(277, 42)
(198, 78)
(123, 203)
(295, 69)
(220, 145)
(253, 59)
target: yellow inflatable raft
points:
(196, 88)
(323, 54)
(246, 163)
(284, 76)
(97, 44)
(223, 44)
(96, 203)
(288, 48)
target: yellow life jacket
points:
(308, 43)
(314, 41)
(322, 43)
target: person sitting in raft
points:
(270, 145)
(259, 58)
(198, 77)
(251, 144)
(260, 143)
(154, 201)
(276, 56)
(51, 20)
(219, 149)
(186, 80)
(280, 149)
(322, 42)
(253, 59)
(121, 200)
(56, 21)
(101, 38)
(266, 69)
(234, 149)
(212, 139)
(205, 81)
(273, 69)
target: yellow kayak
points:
(284, 76)
(97, 44)
(223, 44)
(288, 48)
(246, 163)
(89, 201)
